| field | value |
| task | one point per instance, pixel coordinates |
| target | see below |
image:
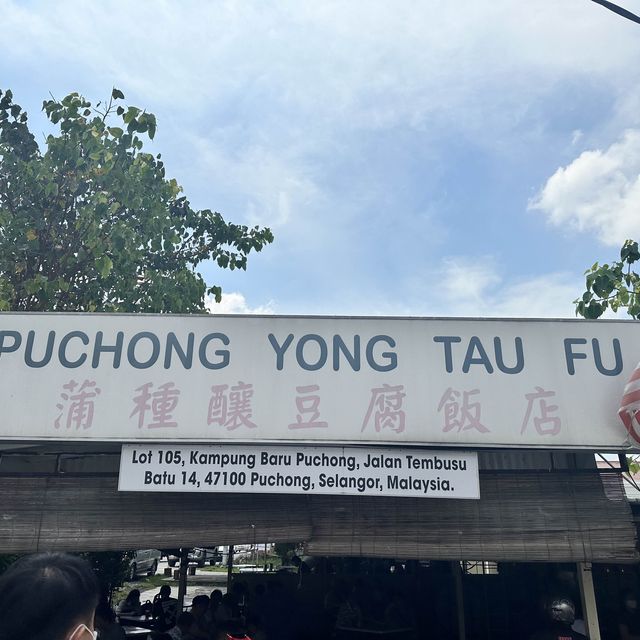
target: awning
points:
(555, 517)
(521, 516)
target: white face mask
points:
(81, 630)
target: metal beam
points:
(588, 596)
(456, 569)
(182, 577)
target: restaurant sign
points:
(324, 380)
(370, 471)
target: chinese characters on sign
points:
(544, 421)
(385, 408)
(461, 416)
(77, 405)
(230, 408)
(154, 409)
(308, 405)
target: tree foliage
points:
(286, 550)
(112, 568)
(612, 286)
(91, 222)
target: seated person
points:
(165, 609)
(561, 614)
(226, 609)
(200, 628)
(214, 602)
(131, 604)
(183, 625)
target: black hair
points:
(43, 596)
(200, 600)
(134, 593)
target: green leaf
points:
(121, 217)
(593, 310)
(131, 114)
(104, 265)
(51, 189)
(216, 292)
(623, 295)
(116, 94)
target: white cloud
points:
(368, 64)
(598, 192)
(576, 136)
(477, 288)
(236, 303)
(472, 287)
(274, 185)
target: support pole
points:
(456, 569)
(588, 597)
(229, 567)
(182, 577)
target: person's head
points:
(165, 592)
(184, 621)
(48, 596)
(133, 596)
(216, 597)
(199, 606)
(562, 611)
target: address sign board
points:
(370, 471)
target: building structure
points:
(96, 403)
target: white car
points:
(144, 561)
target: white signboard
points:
(371, 471)
(393, 381)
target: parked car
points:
(144, 561)
(197, 555)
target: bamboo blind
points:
(86, 514)
(559, 517)
(532, 516)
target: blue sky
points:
(412, 158)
